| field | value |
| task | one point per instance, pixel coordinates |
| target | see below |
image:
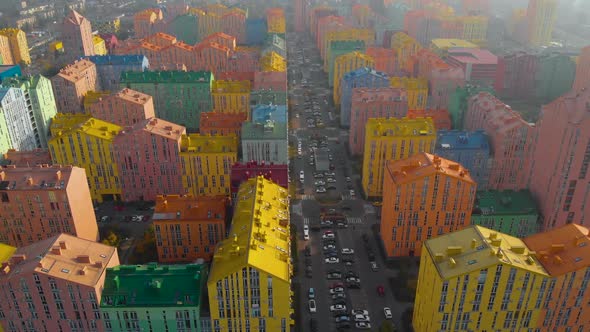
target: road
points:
(307, 79)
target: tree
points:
(112, 239)
(387, 326)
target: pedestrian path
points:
(354, 220)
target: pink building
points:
(212, 56)
(270, 80)
(441, 117)
(152, 166)
(511, 140)
(479, 65)
(76, 36)
(42, 201)
(235, 76)
(234, 24)
(583, 70)
(240, 172)
(124, 108)
(300, 15)
(384, 59)
(516, 75)
(561, 158)
(72, 83)
(243, 60)
(55, 285)
(443, 79)
(370, 103)
(27, 158)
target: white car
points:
(320, 190)
(387, 313)
(312, 306)
(332, 260)
(320, 183)
(347, 251)
(351, 192)
(329, 247)
(328, 236)
(331, 180)
(362, 318)
(338, 307)
(363, 325)
(359, 312)
(336, 290)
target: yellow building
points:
(273, 61)
(346, 63)
(231, 96)
(107, 26)
(6, 252)
(56, 46)
(540, 19)
(100, 47)
(405, 48)
(249, 282)
(18, 45)
(83, 141)
(477, 279)
(392, 139)
(276, 24)
(366, 35)
(475, 29)
(416, 89)
(206, 163)
(441, 46)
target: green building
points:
(341, 47)
(185, 28)
(275, 43)
(509, 212)
(153, 297)
(267, 96)
(555, 76)
(179, 97)
(39, 96)
(458, 102)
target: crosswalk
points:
(307, 197)
(306, 221)
(347, 197)
(354, 220)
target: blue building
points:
(10, 71)
(276, 113)
(470, 149)
(109, 68)
(256, 31)
(361, 78)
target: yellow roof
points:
(221, 86)
(379, 127)
(409, 83)
(6, 252)
(63, 124)
(209, 144)
(475, 248)
(259, 235)
(97, 40)
(444, 44)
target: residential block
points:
(19, 47)
(72, 83)
(76, 34)
(441, 117)
(222, 124)
(479, 66)
(16, 121)
(345, 64)
(361, 78)
(110, 67)
(416, 90)
(241, 172)
(231, 96)
(124, 108)
(511, 212)
(265, 142)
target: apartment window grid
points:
(523, 292)
(508, 289)
(495, 287)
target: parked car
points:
(363, 325)
(362, 318)
(347, 251)
(374, 267)
(337, 307)
(313, 325)
(312, 306)
(387, 312)
(380, 290)
(320, 190)
(332, 260)
(343, 318)
(336, 290)
(335, 275)
(338, 296)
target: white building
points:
(265, 142)
(17, 120)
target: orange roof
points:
(76, 71)
(189, 207)
(219, 35)
(425, 164)
(133, 96)
(561, 250)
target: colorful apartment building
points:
(540, 19)
(563, 252)
(185, 27)
(62, 204)
(423, 26)
(458, 103)
(242, 172)
(152, 296)
(275, 113)
(55, 284)
(272, 61)
(442, 78)
(325, 25)
(511, 212)
(441, 117)
(153, 167)
(206, 163)
(441, 46)
(275, 19)
(76, 32)
(231, 96)
(108, 25)
(407, 222)
(100, 47)
(466, 272)
(85, 142)
(38, 93)
(338, 48)
(405, 48)
(256, 256)
(384, 59)
(167, 88)
(19, 47)
(345, 33)
(5, 51)
(275, 43)
(148, 22)
(479, 66)
(392, 139)
(416, 90)
(345, 64)
(470, 149)
(26, 158)
(16, 121)
(266, 97)
(582, 79)
(361, 78)
(110, 67)
(517, 75)
(561, 157)
(256, 31)
(511, 141)
(270, 80)
(370, 103)
(124, 108)
(222, 124)
(188, 228)
(265, 142)
(475, 29)
(555, 76)
(72, 83)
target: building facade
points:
(345, 64)
(231, 96)
(392, 139)
(554, 76)
(110, 67)
(540, 19)
(241, 172)
(441, 117)
(72, 83)
(416, 90)
(276, 113)
(361, 78)
(384, 58)
(76, 32)
(19, 47)
(479, 66)
(582, 79)
(222, 124)
(265, 142)
(17, 120)
(124, 108)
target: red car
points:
(337, 284)
(380, 290)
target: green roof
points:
(166, 76)
(154, 285)
(260, 131)
(507, 202)
(347, 45)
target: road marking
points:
(347, 197)
(306, 221)
(369, 209)
(354, 220)
(307, 197)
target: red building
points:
(516, 75)
(216, 123)
(234, 24)
(583, 70)
(443, 79)
(241, 172)
(235, 76)
(441, 117)
(27, 158)
(384, 59)
(270, 80)
(479, 65)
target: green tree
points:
(387, 326)
(111, 239)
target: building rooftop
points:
(188, 207)
(261, 131)
(133, 96)
(27, 158)
(5, 68)
(259, 234)
(197, 143)
(400, 127)
(562, 250)
(222, 120)
(74, 72)
(347, 44)
(154, 285)
(172, 76)
(462, 140)
(36, 177)
(505, 202)
(500, 117)
(425, 164)
(219, 86)
(362, 72)
(448, 43)
(158, 127)
(116, 60)
(473, 55)
(275, 113)
(374, 94)
(64, 257)
(409, 83)
(74, 18)
(475, 248)
(10, 31)
(64, 123)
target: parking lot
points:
(340, 260)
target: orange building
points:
(43, 201)
(124, 108)
(565, 253)
(384, 59)
(27, 158)
(148, 22)
(423, 196)
(222, 124)
(188, 228)
(72, 83)
(441, 118)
